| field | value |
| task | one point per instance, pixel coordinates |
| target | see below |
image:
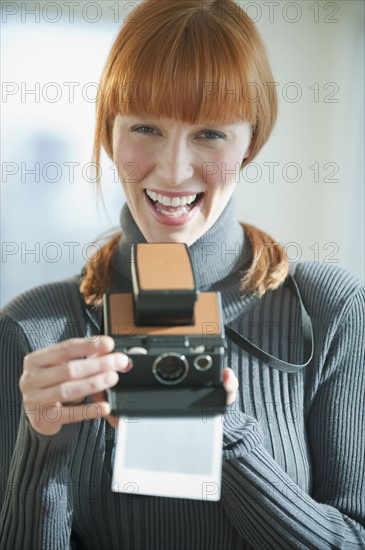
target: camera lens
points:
(203, 362)
(170, 368)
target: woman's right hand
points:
(56, 377)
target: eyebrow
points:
(147, 118)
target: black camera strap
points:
(262, 355)
(249, 347)
(268, 359)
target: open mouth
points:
(173, 206)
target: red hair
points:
(194, 61)
(183, 59)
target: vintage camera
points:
(173, 335)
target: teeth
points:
(168, 201)
(173, 214)
(175, 201)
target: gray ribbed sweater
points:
(294, 449)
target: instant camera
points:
(172, 334)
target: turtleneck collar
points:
(215, 255)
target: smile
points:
(173, 209)
(173, 206)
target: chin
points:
(172, 236)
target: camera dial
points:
(203, 362)
(170, 368)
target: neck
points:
(214, 255)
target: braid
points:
(269, 265)
(97, 273)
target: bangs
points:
(183, 70)
(194, 61)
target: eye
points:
(211, 135)
(147, 130)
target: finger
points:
(57, 415)
(99, 396)
(112, 420)
(76, 369)
(86, 411)
(68, 350)
(231, 397)
(74, 390)
(231, 385)
(229, 379)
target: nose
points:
(175, 163)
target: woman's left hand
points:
(231, 384)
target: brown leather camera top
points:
(163, 266)
(206, 315)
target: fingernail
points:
(129, 366)
(123, 363)
(108, 339)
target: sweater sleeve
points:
(264, 504)
(36, 489)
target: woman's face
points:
(177, 178)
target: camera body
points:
(173, 338)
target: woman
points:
(293, 468)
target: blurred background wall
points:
(306, 188)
